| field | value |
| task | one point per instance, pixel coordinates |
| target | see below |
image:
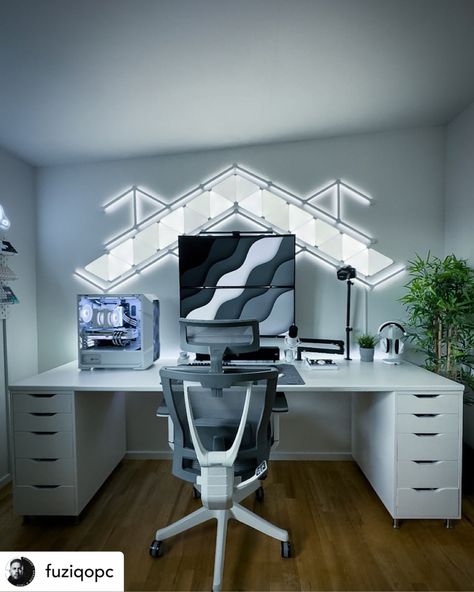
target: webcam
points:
(346, 273)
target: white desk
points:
(68, 431)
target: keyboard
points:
(287, 373)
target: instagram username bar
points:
(62, 571)
(78, 572)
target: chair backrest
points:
(217, 418)
(217, 397)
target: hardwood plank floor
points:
(341, 533)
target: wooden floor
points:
(341, 533)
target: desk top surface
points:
(352, 376)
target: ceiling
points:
(83, 80)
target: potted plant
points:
(366, 346)
(439, 302)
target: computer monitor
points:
(239, 276)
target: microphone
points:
(292, 337)
(291, 341)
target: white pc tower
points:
(118, 330)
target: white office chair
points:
(222, 436)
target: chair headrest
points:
(217, 336)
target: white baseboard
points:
(5, 479)
(148, 454)
(310, 455)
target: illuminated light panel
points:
(166, 235)
(253, 203)
(193, 220)
(324, 232)
(108, 267)
(175, 220)
(238, 192)
(133, 251)
(298, 217)
(235, 188)
(149, 235)
(342, 247)
(369, 261)
(201, 204)
(218, 204)
(275, 210)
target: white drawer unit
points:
(43, 422)
(50, 471)
(428, 447)
(43, 445)
(428, 503)
(428, 474)
(428, 423)
(42, 402)
(58, 500)
(427, 403)
(59, 455)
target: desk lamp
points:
(347, 273)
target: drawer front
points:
(441, 473)
(434, 423)
(42, 402)
(45, 501)
(437, 503)
(43, 445)
(428, 403)
(43, 422)
(428, 447)
(59, 471)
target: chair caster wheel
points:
(155, 549)
(259, 494)
(286, 549)
(196, 493)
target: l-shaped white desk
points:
(68, 433)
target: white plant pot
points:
(366, 354)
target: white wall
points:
(17, 196)
(459, 208)
(459, 204)
(402, 171)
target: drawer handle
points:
(46, 486)
(426, 414)
(45, 459)
(426, 435)
(43, 414)
(426, 462)
(425, 488)
(42, 395)
(426, 396)
(44, 433)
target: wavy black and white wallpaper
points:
(246, 277)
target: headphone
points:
(393, 338)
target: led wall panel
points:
(316, 220)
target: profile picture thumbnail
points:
(20, 571)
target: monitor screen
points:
(245, 276)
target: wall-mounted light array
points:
(236, 191)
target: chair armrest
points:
(281, 404)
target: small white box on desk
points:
(321, 364)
